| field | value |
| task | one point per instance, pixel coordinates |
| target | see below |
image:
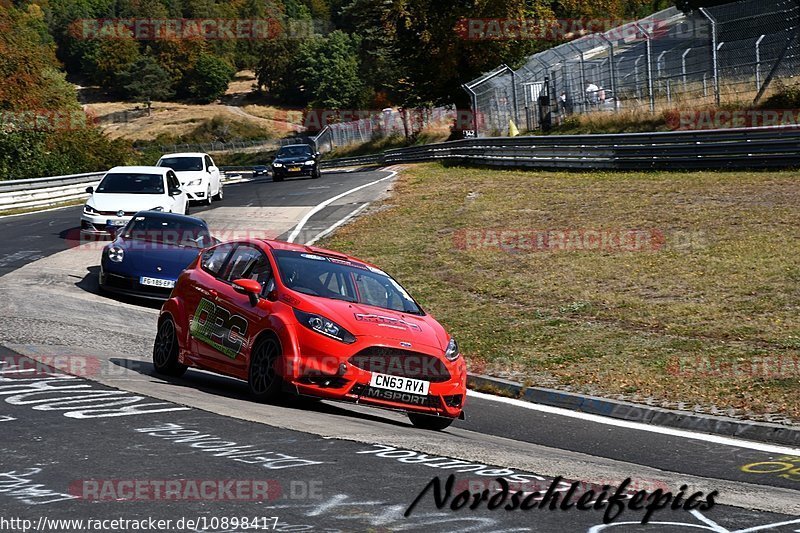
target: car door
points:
(244, 320)
(201, 296)
(216, 179)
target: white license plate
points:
(396, 383)
(116, 222)
(155, 282)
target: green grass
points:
(722, 285)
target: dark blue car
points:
(149, 253)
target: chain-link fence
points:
(383, 124)
(717, 55)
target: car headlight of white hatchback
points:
(452, 352)
(89, 210)
(116, 254)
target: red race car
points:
(287, 317)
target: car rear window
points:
(182, 164)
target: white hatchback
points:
(124, 191)
(199, 176)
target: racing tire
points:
(165, 350)
(262, 377)
(432, 423)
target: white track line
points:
(296, 231)
(714, 439)
(337, 224)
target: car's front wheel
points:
(218, 196)
(277, 177)
(317, 173)
(263, 379)
(165, 350)
(208, 195)
(433, 423)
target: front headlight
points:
(116, 254)
(193, 183)
(89, 210)
(452, 351)
(323, 326)
(308, 163)
(277, 165)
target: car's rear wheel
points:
(433, 423)
(165, 350)
(263, 379)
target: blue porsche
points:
(149, 253)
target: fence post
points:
(649, 67)
(582, 77)
(713, 52)
(758, 61)
(683, 66)
(612, 70)
(514, 94)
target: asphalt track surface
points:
(356, 469)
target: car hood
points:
(188, 175)
(365, 320)
(126, 202)
(146, 258)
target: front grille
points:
(401, 363)
(114, 213)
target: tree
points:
(329, 70)
(146, 81)
(209, 78)
(107, 58)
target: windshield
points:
(338, 279)
(125, 183)
(182, 164)
(153, 228)
(294, 151)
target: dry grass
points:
(179, 119)
(724, 287)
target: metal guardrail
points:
(373, 159)
(753, 148)
(748, 148)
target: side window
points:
(214, 259)
(249, 263)
(209, 162)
